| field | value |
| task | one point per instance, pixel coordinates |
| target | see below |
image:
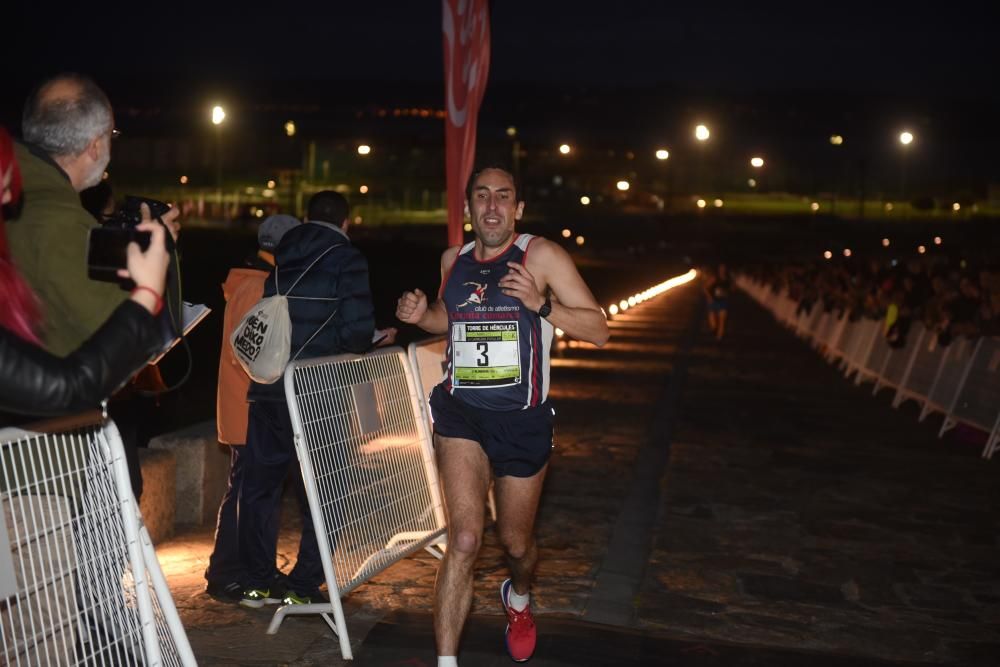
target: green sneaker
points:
(316, 597)
(255, 598)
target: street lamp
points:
(290, 128)
(565, 149)
(756, 162)
(701, 133)
(662, 154)
(364, 149)
(218, 116)
(905, 139)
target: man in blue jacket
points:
(336, 316)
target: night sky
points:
(947, 50)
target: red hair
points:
(20, 312)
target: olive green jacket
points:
(48, 243)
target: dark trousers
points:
(224, 564)
(269, 457)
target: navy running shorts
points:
(517, 443)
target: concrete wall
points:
(202, 468)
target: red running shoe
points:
(520, 634)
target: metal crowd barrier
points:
(79, 579)
(961, 380)
(365, 451)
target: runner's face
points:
(494, 208)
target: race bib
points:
(486, 354)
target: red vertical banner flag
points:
(466, 28)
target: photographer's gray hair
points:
(65, 125)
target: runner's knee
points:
(466, 542)
(515, 546)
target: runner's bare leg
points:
(465, 475)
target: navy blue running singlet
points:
(498, 350)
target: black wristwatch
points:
(546, 308)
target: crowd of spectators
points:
(948, 295)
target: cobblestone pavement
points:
(793, 520)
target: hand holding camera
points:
(148, 268)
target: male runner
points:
(500, 297)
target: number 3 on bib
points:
(486, 354)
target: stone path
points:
(792, 519)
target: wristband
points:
(159, 300)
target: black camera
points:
(130, 213)
(106, 245)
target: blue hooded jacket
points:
(341, 274)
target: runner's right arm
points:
(413, 308)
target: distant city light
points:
(622, 185)
(827, 254)
(752, 182)
(701, 203)
(905, 138)
(259, 213)
(218, 115)
(585, 200)
(717, 203)
(631, 301)
(814, 206)
(290, 128)
(888, 207)
(756, 162)
(956, 206)
(937, 240)
(511, 131)
(613, 309)
(363, 189)
(565, 149)
(580, 240)
(836, 139)
(847, 252)
(184, 180)
(885, 243)
(701, 133)
(270, 185)
(559, 332)
(566, 233)
(662, 154)
(467, 226)
(623, 304)
(364, 149)
(921, 249)
(358, 219)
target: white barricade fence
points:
(879, 353)
(857, 356)
(367, 462)
(977, 400)
(82, 585)
(429, 364)
(899, 363)
(949, 379)
(924, 368)
(834, 350)
(960, 380)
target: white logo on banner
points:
(471, 68)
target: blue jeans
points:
(224, 565)
(269, 457)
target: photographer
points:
(68, 126)
(35, 382)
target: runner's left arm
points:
(574, 309)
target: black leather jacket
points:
(34, 382)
